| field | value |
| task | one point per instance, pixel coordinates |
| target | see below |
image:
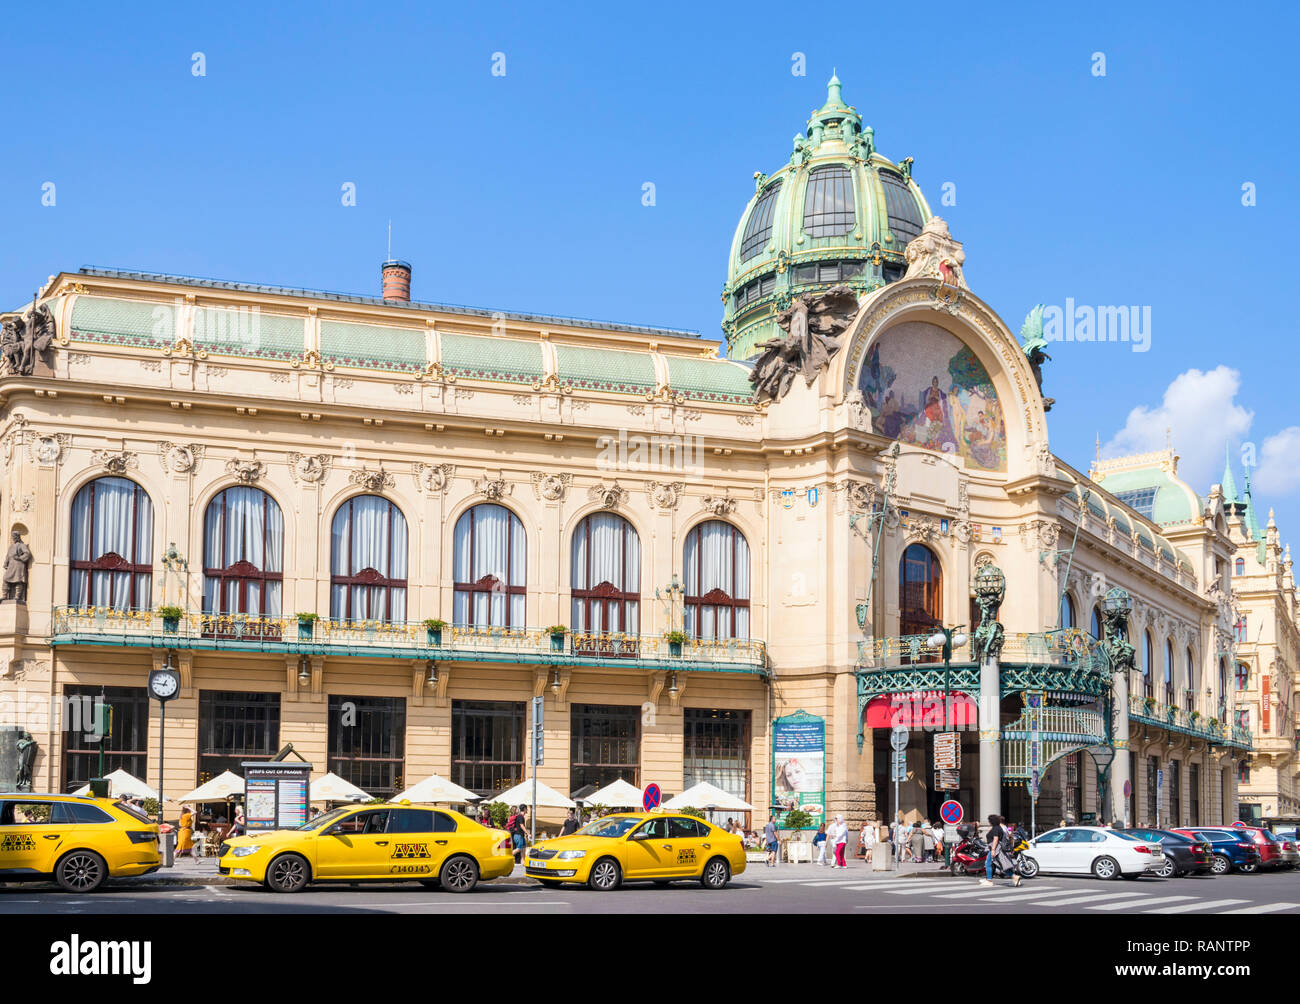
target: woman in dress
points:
(185, 836)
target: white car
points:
(1095, 850)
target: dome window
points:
(758, 231)
(905, 218)
(751, 291)
(828, 202)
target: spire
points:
(834, 99)
(1229, 483)
(1252, 521)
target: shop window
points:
(127, 742)
(367, 742)
(234, 727)
(606, 745)
(487, 745)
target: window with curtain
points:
(1169, 673)
(111, 563)
(1148, 657)
(489, 567)
(606, 575)
(368, 564)
(716, 559)
(243, 554)
(1243, 676)
(1193, 681)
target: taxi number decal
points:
(410, 851)
(17, 842)
(409, 870)
(686, 856)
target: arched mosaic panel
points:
(925, 387)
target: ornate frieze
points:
(493, 489)
(608, 496)
(719, 505)
(115, 461)
(664, 495)
(246, 472)
(372, 481)
(47, 449)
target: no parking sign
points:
(650, 799)
(951, 812)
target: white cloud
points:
(1279, 463)
(1200, 411)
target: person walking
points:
(841, 841)
(819, 842)
(998, 846)
(928, 842)
(570, 824)
(867, 840)
(770, 842)
(185, 832)
(518, 833)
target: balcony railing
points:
(1165, 716)
(1063, 647)
(401, 639)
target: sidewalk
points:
(857, 870)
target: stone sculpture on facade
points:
(18, 557)
(1034, 344)
(25, 338)
(990, 590)
(27, 750)
(1119, 650)
(934, 254)
(813, 325)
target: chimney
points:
(397, 280)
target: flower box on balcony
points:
(171, 618)
(433, 629)
(675, 641)
(557, 633)
(306, 626)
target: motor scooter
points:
(970, 853)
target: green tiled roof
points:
(1174, 501)
(710, 379)
(122, 322)
(248, 332)
(605, 369)
(371, 346)
(510, 360)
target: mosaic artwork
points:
(924, 387)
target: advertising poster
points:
(277, 795)
(799, 766)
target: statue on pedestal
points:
(26, 757)
(18, 557)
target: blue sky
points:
(523, 191)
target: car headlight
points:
(570, 855)
(243, 852)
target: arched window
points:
(489, 568)
(717, 581)
(1193, 681)
(920, 591)
(368, 561)
(758, 228)
(606, 571)
(243, 554)
(1096, 627)
(1169, 673)
(1223, 687)
(1243, 676)
(111, 563)
(1239, 567)
(1067, 611)
(828, 202)
(1148, 657)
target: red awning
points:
(920, 711)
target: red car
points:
(1269, 847)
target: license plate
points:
(534, 863)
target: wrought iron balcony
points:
(1150, 711)
(402, 640)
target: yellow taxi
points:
(77, 841)
(661, 847)
(392, 841)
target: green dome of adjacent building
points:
(838, 212)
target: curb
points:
(205, 880)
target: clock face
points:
(164, 685)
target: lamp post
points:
(1116, 605)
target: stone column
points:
(1119, 771)
(990, 711)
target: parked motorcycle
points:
(969, 855)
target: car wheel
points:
(288, 873)
(80, 871)
(1166, 869)
(460, 874)
(717, 873)
(605, 876)
(1028, 867)
(1248, 869)
(1221, 865)
(1105, 867)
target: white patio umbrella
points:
(332, 788)
(707, 796)
(618, 795)
(122, 784)
(225, 785)
(547, 797)
(436, 789)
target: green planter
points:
(675, 649)
(557, 643)
(171, 625)
(305, 630)
(435, 635)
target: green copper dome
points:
(838, 212)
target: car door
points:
(355, 847)
(29, 839)
(650, 854)
(1079, 848)
(688, 837)
(421, 841)
(1049, 850)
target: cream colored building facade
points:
(190, 388)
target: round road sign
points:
(1128, 789)
(899, 736)
(950, 812)
(651, 798)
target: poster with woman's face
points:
(799, 767)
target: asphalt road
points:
(786, 890)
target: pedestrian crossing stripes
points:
(1034, 894)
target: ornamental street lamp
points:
(1102, 758)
